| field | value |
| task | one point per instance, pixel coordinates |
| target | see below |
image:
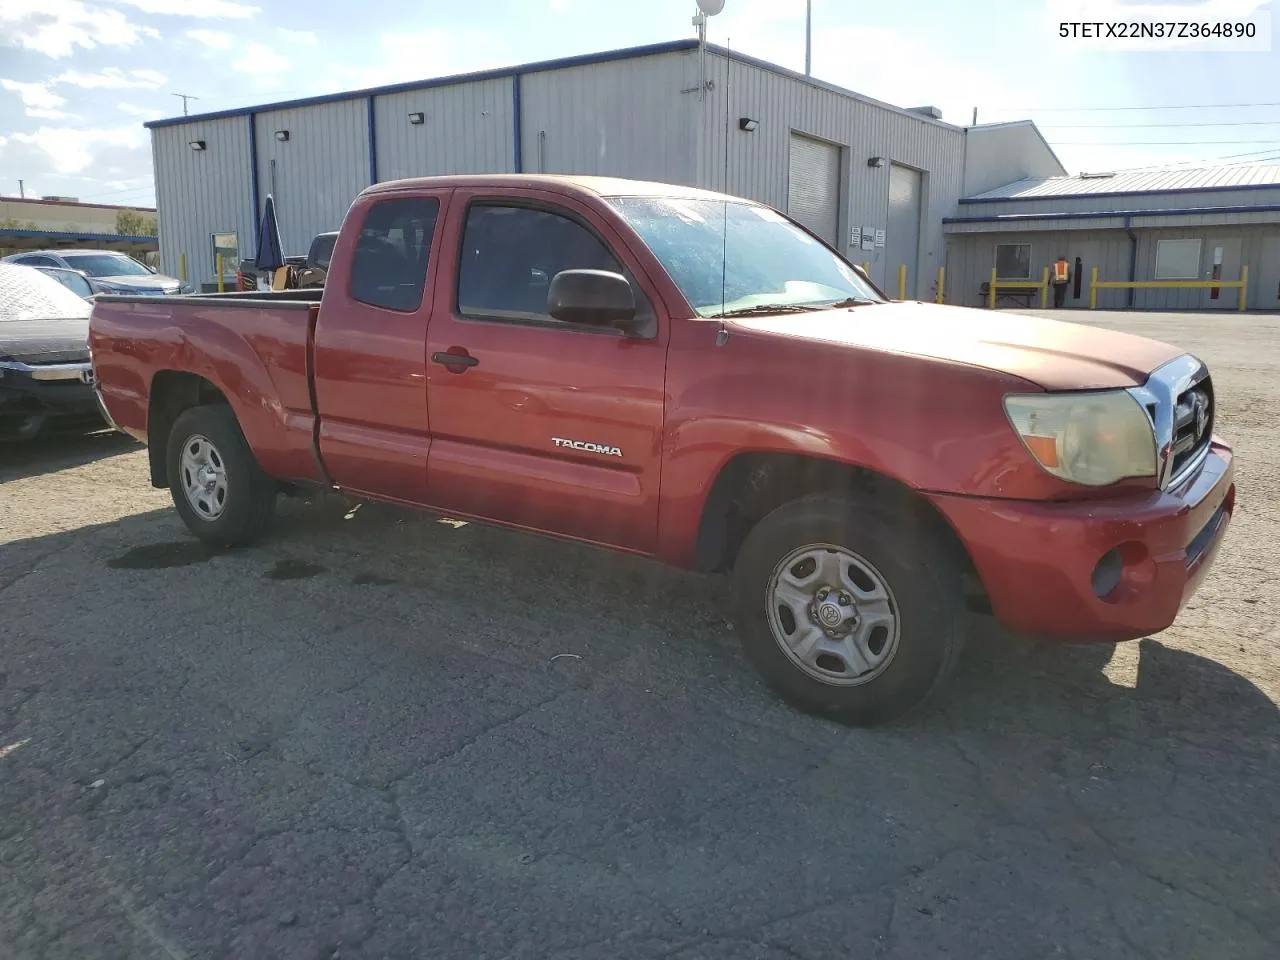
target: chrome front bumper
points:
(51, 371)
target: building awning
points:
(1113, 219)
(20, 239)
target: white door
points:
(902, 245)
(1222, 263)
(813, 186)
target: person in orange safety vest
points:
(1061, 274)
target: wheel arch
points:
(750, 485)
(172, 392)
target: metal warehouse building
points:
(873, 179)
(1215, 223)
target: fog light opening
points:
(1106, 575)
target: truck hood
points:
(45, 341)
(157, 284)
(1054, 354)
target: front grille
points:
(1192, 424)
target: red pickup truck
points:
(696, 378)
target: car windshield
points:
(732, 257)
(106, 265)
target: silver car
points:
(113, 273)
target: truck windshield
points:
(106, 265)
(736, 257)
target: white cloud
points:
(56, 27)
(133, 110)
(422, 55)
(113, 78)
(72, 150)
(261, 61)
(303, 37)
(35, 96)
(214, 39)
(561, 6)
(205, 9)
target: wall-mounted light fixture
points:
(196, 144)
(747, 124)
(875, 161)
(417, 118)
(282, 135)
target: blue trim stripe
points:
(88, 237)
(517, 122)
(1049, 197)
(253, 184)
(373, 143)
(560, 64)
(1117, 214)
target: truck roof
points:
(563, 183)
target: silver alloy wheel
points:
(833, 614)
(204, 477)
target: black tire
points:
(921, 574)
(250, 496)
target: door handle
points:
(452, 359)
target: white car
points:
(113, 273)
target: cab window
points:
(389, 267)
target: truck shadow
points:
(49, 453)
(480, 670)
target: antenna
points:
(706, 8)
(724, 243)
(185, 97)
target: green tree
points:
(134, 224)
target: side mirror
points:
(597, 298)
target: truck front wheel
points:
(218, 488)
(847, 612)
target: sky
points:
(78, 78)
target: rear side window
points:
(510, 255)
(322, 250)
(389, 268)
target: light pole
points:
(808, 36)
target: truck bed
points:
(255, 349)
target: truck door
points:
(535, 422)
(369, 367)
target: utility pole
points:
(808, 37)
(185, 97)
(22, 191)
(975, 116)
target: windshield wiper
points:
(850, 302)
(764, 309)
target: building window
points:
(1178, 260)
(389, 268)
(1013, 261)
(227, 246)
(510, 254)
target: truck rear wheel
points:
(218, 488)
(847, 612)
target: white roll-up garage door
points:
(813, 185)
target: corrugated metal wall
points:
(200, 192)
(757, 162)
(626, 118)
(318, 171)
(970, 257)
(468, 128)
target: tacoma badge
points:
(587, 447)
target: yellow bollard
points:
(1244, 285)
(942, 279)
(866, 267)
(182, 267)
(991, 291)
(218, 262)
(1093, 289)
(902, 281)
(1044, 288)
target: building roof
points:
(608, 56)
(76, 203)
(1231, 177)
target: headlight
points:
(1088, 438)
